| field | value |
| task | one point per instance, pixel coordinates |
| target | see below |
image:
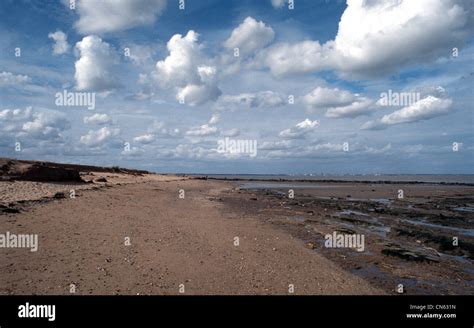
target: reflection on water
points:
(467, 232)
(469, 209)
(254, 185)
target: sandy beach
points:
(132, 234)
(140, 237)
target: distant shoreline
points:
(428, 179)
(227, 178)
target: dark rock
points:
(345, 231)
(7, 209)
(101, 179)
(441, 242)
(59, 195)
(408, 254)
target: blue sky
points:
(306, 85)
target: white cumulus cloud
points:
(18, 114)
(8, 78)
(202, 131)
(337, 103)
(377, 37)
(60, 46)
(144, 139)
(187, 71)
(361, 106)
(95, 138)
(249, 36)
(94, 68)
(424, 109)
(46, 126)
(300, 130)
(326, 97)
(97, 119)
(261, 99)
(302, 57)
(116, 15)
(278, 3)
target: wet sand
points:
(408, 241)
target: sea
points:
(425, 178)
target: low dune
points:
(26, 181)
